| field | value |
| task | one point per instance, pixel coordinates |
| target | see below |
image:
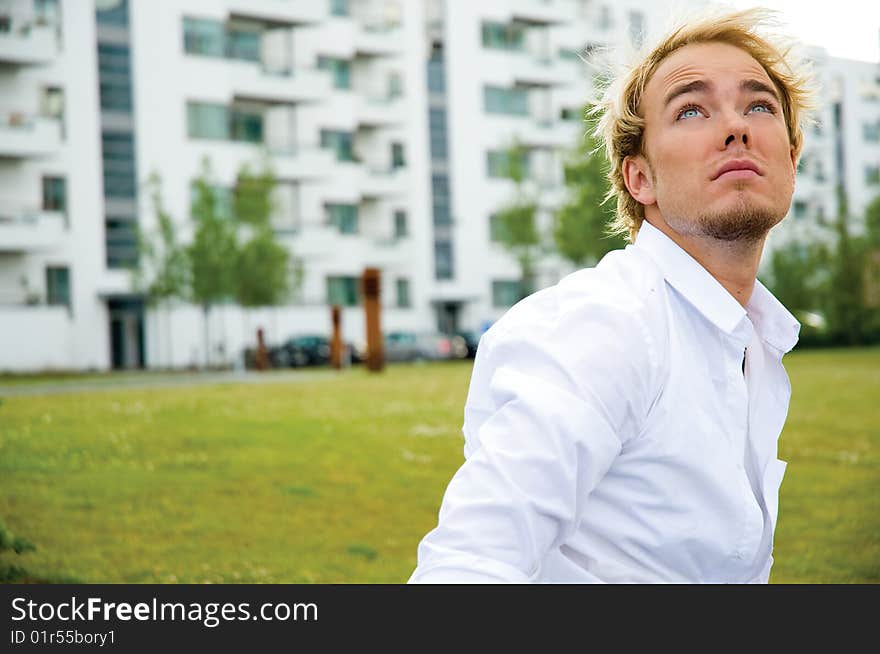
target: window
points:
(503, 36)
(52, 102)
(204, 37)
(506, 293)
(513, 101)
(207, 121)
(58, 285)
(397, 158)
(872, 175)
(121, 237)
(440, 199)
(499, 164)
(343, 291)
(54, 194)
(119, 165)
(245, 125)
(871, 132)
(343, 216)
(443, 267)
(395, 85)
(437, 133)
(799, 209)
(403, 301)
(243, 44)
(339, 68)
(567, 113)
(340, 142)
(436, 71)
(215, 121)
(339, 7)
(400, 226)
(114, 73)
(116, 14)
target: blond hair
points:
(620, 127)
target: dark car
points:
(304, 350)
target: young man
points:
(622, 425)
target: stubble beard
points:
(745, 222)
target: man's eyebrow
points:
(757, 86)
(702, 86)
(690, 87)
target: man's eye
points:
(689, 112)
(764, 107)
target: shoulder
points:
(625, 291)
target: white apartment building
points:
(385, 121)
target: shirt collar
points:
(773, 323)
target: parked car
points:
(304, 350)
(471, 340)
(411, 346)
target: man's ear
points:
(794, 159)
(638, 180)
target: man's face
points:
(707, 108)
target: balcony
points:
(539, 70)
(254, 83)
(29, 231)
(380, 183)
(377, 39)
(545, 133)
(27, 43)
(24, 136)
(302, 163)
(278, 13)
(379, 112)
(538, 13)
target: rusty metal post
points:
(371, 285)
(336, 339)
(261, 360)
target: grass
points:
(336, 480)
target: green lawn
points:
(336, 479)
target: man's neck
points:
(733, 264)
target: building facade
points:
(388, 124)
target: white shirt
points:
(611, 435)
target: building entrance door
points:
(126, 334)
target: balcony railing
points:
(31, 230)
(27, 42)
(22, 135)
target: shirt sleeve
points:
(546, 416)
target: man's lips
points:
(738, 169)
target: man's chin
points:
(744, 222)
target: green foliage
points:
(262, 278)
(517, 220)
(838, 283)
(10, 573)
(582, 225)
(253, 203)
(212, 253)
(163, 273)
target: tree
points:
(212, 253)
(262, 277)
(163, 269)
(849, 317)
(582, 233)
(517, 228)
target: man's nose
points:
(736, 131)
